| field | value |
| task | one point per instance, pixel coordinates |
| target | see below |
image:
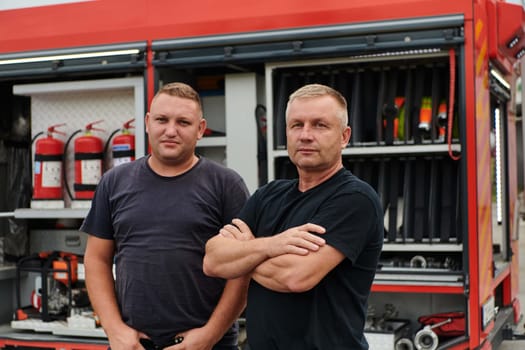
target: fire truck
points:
(434, 93)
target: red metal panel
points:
(417, 289)
(115, 21)
(477, 118)
(51, 344)
(513, 290)
(507, 21)
(515, 269)
(501, 278)
(483, 163)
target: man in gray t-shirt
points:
(152, 218)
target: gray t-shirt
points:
(160, 226)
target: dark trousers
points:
(218, 347)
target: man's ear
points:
(146, 119)
(347, 133)
(202, 128)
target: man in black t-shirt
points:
(310, 245)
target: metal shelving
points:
(66, 213)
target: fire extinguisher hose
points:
(64, 173)
(108, 142)
(35, 137)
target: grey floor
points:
(519, 344)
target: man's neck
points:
(171, 169)
(310, 179)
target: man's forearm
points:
(230, 258)
(273, 273)
(288, 273)
(297, 273)
(234, 252)
(101, 291)
(229, 307)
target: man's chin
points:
(170, 157)
(307, 165)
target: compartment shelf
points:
(23, 339)
(66, 213)
(436, 288)
(422, 247)
(212, 141)
(387, 150)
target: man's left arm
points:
(297, 273)
(228, 309)
(235, 293)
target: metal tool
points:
(426, 339)
(404, 344)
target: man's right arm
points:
(98, 264)
(232, 258)
(234, 252)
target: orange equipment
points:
(425, 114)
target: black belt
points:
(148, 344)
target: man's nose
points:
(306, 132)
(171, 128)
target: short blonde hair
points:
(181, 90)
(318, 90)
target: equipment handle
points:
(52, 129)
(127, 125)
(439, 324)
(90, 127)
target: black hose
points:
(64, 173)
(108, 141)
(30, 149)
(36, 136)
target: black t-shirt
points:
(160, 226)
(332, 315)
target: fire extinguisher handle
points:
(127, 125)
(53, 129)
(90, 127)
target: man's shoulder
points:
(277, 185)
(125, 168)
(354, 181)
(214, 167)
(352, 184)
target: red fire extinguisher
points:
(49, 155)
(123, 145)
(89, 154)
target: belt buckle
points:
(148, 344)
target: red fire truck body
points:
(480, 43)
